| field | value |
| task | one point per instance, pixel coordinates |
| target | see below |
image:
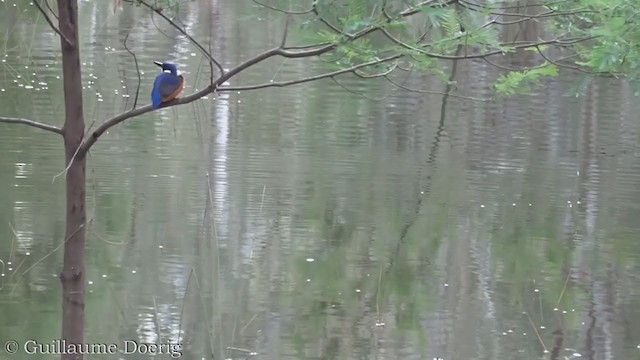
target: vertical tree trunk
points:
(73, 272)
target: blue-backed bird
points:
(167, 84)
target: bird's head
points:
(167, 67)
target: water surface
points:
(313, 222)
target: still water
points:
(313, 222)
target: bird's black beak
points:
(158, 63)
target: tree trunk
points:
(73, 271)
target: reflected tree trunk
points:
(73, 271)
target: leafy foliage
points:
(520, 81)
(594, 36)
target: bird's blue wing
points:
(168, 84)
(164, 85)
(156, 96)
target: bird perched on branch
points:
(167, 85)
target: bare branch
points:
(48, 20)
(524, 45)
(31, 123)
(288, 12)
(206, 53)
(418, 7)
(359, 93)
(50, 9)
(433, 92)
(385, 73)
(314, 9)
(135, 60)
(311, 78)
(286, 31)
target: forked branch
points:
(204, 51)
(48, 20)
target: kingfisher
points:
(167, 85)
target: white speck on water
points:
(482, 206)
(27, 253)
(19, 76)
(564, 311)
(504, 333)
(576, 355)
(133, 271)
(239, 101)
(542, 327)
(310, 260)
(555, 309)
(104, 276)
(193, 54)
(446, 285)
(536, 290)
(582, 323)
(524, 334)
(2, 274)
(357, 290)
(308, 280)
(10, 269)
(160, 247)
(573, 310)
(90, 282)
(514, 204)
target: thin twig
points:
(55, 28)
(135, 60)
(310, 78)
(288, 12)
(50, 9)
(63, 172)
(564, 287)
(50, 253)
(286, 30)
(32, 123)
(537, 333)
(183, 32)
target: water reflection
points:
(311, 222)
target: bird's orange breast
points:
(177, 91)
